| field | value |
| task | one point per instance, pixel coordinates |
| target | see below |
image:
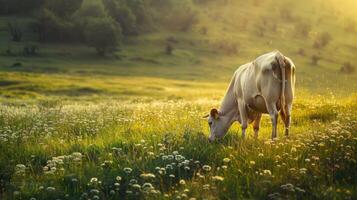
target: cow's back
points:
(254, 86)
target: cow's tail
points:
(280, 58)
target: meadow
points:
(77, 125)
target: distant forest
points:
(100, 23)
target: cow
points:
(265, 85)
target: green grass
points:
(71, 122)
(140, 135)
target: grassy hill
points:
(76, 125)
(225, 37)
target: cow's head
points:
(217, 125)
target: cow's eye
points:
(210, 123)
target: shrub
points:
(350, 26)
(302, 29)
(260, 30)
(15, 31)
(227, 47)
(91, 8)
(17, 64)
(103, 34)
(169, 48)
(257, 3)
(301, 52)
(322, 40)
(63, 8)
(204, 30)
(8, 51)
(347, 68)
(30, 49)
(127, 20)
(9, 7)
(172, 39)
(188, 21)
(243, 23)
(285, 13)
(178, 15)
(143, 15)
(122, 13)
(315, 59)
(51, 28)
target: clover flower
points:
(93, 180)
(147, 176)
(226, 160)
(206, 186)
(127, 170)
(182, 182)
(20, 168)
(302, 170)
(267, 172)
(207, 168)
(50, 189)
(136, 186)
(217, 178)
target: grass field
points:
(74, 125)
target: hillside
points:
(225, 36)
(104, 99)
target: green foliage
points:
(30, 49)
(347, 68)
(315, 59)
(103, 34)
(15, 31)
(143, 14)
(63, 8)
(322, 40)
(350, 25)
(121, 13)
(52, 28)
(175, 15)
(158, 149)
(71, 122)
(169, 49)
(19, 6)
(91, 8)
(302, 29)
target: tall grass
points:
(159, 150)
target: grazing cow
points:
(265, 85)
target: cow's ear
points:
(214, 113)
(205, 116)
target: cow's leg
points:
(286, 117)
(273, 112)
(244, 117)
(256, 125)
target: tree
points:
(302, 29)
(120, 12)
(15, 31)
(142, 11)
(19, 6)
(322, 40)
(90, 8)
(347, 68)
(63, 8)
(52, 28)
(103, 34)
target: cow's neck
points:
(229, 107)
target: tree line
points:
(99, 23)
